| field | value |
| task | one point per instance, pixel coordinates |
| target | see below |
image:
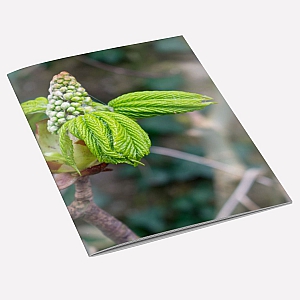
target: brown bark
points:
(84, 207)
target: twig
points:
(239, 193)
(64, 180)
(206, 162)
(119, 70)
(193, 158)
(84, 207)
(248, 203)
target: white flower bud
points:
(71, 109)
(58, 93)
(56, 86)
(87, 100)
(63, 89)
(52, 113)
(53, 129)
(60, 114)
(65, 105)
(75, 104)
(60, 75)
(61, 121)
(68, 96)
(88, 109)
(58, 102)
(70, 117)
(50, 106)
(81, 90)
(75, 99)
(65, 101)
(75, 113)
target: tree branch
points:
(240, 192)
(84, 207)
(208, 162)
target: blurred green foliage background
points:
(167, 193)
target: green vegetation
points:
(110, 131)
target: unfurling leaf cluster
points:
(110, 137)
(110, 132)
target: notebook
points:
(142, 145)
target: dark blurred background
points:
(167, 193)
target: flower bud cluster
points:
(67, 100)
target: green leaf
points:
(37, 105)
(50, 147)
(96, 136)
(66, 146)
(156, 103)
(48, 142)
(111, 137)
(54, 156)
(128, 138)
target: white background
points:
(249, 48)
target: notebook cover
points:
(202, 168)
